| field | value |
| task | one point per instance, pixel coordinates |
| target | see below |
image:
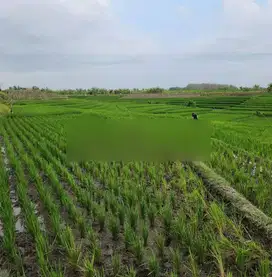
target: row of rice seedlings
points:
(185, 231)
(254, 166)
(245, 141)
(84, 196)
(54, 127)
(102, 223)
(237, 173)
(254, 188)
(248, 156)
(139, 255)
(32, 223)
(92, 207)
(61, 170)
(240, 177)
(65, 234)
(7, 218)
(125, 212)
(137, 247)
(45, 137)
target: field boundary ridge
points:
(222, 187)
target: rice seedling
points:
(116, 264)
(145, 233)
(176, 257)
(130, 272)
(160, 244)
(153, 265)
(138, 249)
(129, 235)
(114, 226)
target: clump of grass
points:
(101, 215)
(113, 205)
(218, 217)
(97, 252)
(242, 257)
(159, 200)
(145, 233)
(121, 214)
(176, 259)
(116, 264)
(82, 226)
(129, 235)
(264, 268)
(143, 209)
(218, 257)
(133, 218)
(167, 219)
(88, 268)
(152, 215)
(160, 243)
(73, 250)
(91, 235)
(193, 265)
(114, 226)
(154, 266)
(138, 249)
(131, 272)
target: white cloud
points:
(244, 29)
(247, 14)
(66, 27)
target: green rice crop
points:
(134, 218)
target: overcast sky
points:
(135, 43)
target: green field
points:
(135, 218)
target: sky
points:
(135, 43)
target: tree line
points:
(122, 91)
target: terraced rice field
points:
(133, 219)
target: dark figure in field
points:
(194, 115)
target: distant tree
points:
(155, 90)
(256, 87)
(175, 88)
(269, 88)
(244, 88)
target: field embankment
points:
(219, 186)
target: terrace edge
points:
(222, 187)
